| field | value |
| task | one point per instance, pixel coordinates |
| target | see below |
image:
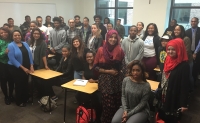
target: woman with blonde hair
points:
(94, 40)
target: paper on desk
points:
(80, 82)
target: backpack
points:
(83, 115)
(44, 104)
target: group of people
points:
(100, 53)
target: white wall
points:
(156, 12)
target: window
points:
(184, 10)
(114, 9)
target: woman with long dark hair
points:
(151, 44)
(5, 78)
(109, 63)
(135, 95)
(20, 65)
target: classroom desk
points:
(157, 69)
(50, 55)
(89, 89)
(46, 74)
(154, 84)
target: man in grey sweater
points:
(57, 39)
(133, 46)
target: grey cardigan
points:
(133, 49)
(57, 39)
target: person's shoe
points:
(22, 105)
(7, 101)
(12, 99)
(54, 98)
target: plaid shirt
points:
(72, 33)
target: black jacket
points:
(24, 28)
(97, 42)
(197, 38)
(103, 30)
(64, 26)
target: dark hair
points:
(57, 19)
(68, 47)
(197, 19)
(35, 22)
(9, 33)
(38, 17)
(86, 18)
(81, 48)
(119, 20)
(48, 16)
(182, 35)
(10, 19)
(107, 19)
(19, 33)
(77, 16)
(141, 23)
(155, 33)
(133, 26)
(97, 16)
(27, 16)
(90, 51)
(142, 67)
(110, 24)
(40, 40)
(5, 24)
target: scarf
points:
(181, 55)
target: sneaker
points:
(54, 98)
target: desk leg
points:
(32, 86)
(65, 104)
(49, 105)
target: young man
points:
(120, 29)
(48, 23)
(25, 26)
(86, 28)
(12, 27)
(97, 19)
(42, 27)
(133, 46)
(78, 23)
(73, 31)
(63, 24)
(57, 39)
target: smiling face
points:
(4, 34)
(89, 58)
(71, 23)
(109, 27)
(171, 52)
(177, 31)
(97, 20)
(151, 30)
(36, 35)
(32, 26)
(17, 37)
(76, 43)
(11, 22)
(139, 26)
(65, 52)
(113, 39)
(136, 72)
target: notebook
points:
(80, 82)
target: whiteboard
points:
(18, 11)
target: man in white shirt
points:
(41, 26)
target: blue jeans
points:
(191, 77)
(78, 74)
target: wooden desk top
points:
(154, 84)
(50, 55)
(89, 88)
(46, 74)
(157, 69)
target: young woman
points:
(140, 26)
(94, 41)
(38, 47)
(135, 95)
(175, 82)
(109, 64)
(78, 56)
(20, 65)
(179, 32)
(151, 44)
(106, 21)
(4, 73)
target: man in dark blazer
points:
(194, 34)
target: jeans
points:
(78, 74)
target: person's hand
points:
(31, 69)
(124, 116)
(27, 71)
(183, 109)
(91, 81)
(46, 67)
(194, 56)
(113, 72)
(6, 51)
(53, 51)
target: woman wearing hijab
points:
(175, 82)
(109, 63)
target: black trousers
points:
(20, 79)
(6, 79)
